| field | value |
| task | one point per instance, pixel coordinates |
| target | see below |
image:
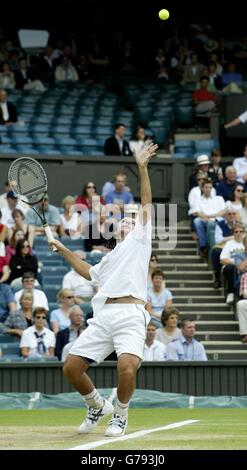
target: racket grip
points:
(49, 236)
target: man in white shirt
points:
(240, 165)
(206, 210)
(120, 319)
(39, 297)
(153, 350)
(3, 196)
(37, 340)
(79, 285)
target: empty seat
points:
(22, 140)
(206, 145)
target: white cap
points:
(203, 160)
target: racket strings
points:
(27, 178)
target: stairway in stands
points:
(191, 282)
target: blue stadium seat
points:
(10, 348)
(51, 291)
(37, 129)
(53, 306)
(7, 149)
(25, 149)
(184, 115)
(17, 129)
(44, 141)
(206, 145)
(5, 338)
(48, 150)
(66, 142)
(22, 140)
(67, 151)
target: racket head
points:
(28, 180)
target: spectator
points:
(95, 241)
(39, 297)
(37, 340)
(4, 269)
(17, 235)
(69, 219)
(178, 62)
(207, 210)
(192, 71)
(219, 68)
(215, 171)
(59, 318)
(116, 144)
(46, 65)
(98, 62)
(161, 64)
(66, 72)
(235, 199)
(243, 211)
(24, 78)
(196, 192)
(118, 198)
(92, 202)
(158, 297)
(51, 214)
(231, 76)
(22, 262)
(153, 350)
(7, 78)
(241, 119)
(20, 319)
(225, 187)
(83, 69)
(70, 334)
(80, 286)
(8, 114)
(19, 223)
(202, 164)
(222, 234)
(240, 165)
(7, 301)
(214, 78)
(138, 140)
(231, 248)
(169, 330)
(3, 230)
(109, 186)
(7, 212)
(186, 347)
(3, 197)
(203, 99)
(153, 265)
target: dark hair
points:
(167, 313)
(12, 239)
(28, 275)
(19, 246)
(151, 323)
(216, 153)
(207, 181)
(135, 132)
(119, 124)
(158, 272)
(204, 77)
(186, 320)
(231, 198)
(84, 189)
(153, 255)
(17, 211)
(39, 310)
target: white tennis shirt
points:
(124, 271)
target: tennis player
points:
(120, 319)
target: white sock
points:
(121, 408)
(94, 399)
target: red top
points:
(3, 262)
(1, 227)
(203, 95)
(86, 202)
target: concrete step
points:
(191, 283)
(196, 292)
(187, 277)
(178, 252)
(193, 300)
(202, 308)
(181, 259)
(216, 326)
(207, 316)
(214, 336)
(191, 267)
(225, 345)
(226, 355)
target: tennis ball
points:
(164, 14)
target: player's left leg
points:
(127, 366)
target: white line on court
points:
(134, 435)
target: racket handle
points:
(49, 236)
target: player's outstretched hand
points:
(142, 158)
(58, 245)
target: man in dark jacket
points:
(70, 334)
(116, 145)
(8, 113)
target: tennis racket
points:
(28, 181)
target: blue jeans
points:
(202, 227)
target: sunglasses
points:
(28, 280)
(238, 231)
(231, 213)
(25, 246)
(240, 190)
(70, 297)
(88, 187)
(40, 316)
(153, 259)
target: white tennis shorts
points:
(118, 327)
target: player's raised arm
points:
(80, 266)
(142, 158)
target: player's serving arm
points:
(120, 318)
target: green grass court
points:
(218, 429)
